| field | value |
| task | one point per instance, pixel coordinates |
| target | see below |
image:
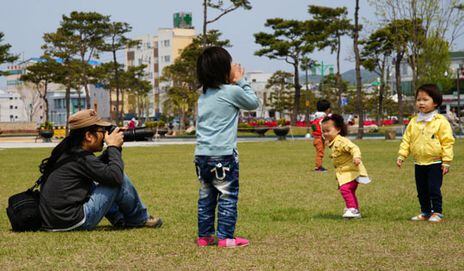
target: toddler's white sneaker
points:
(351, 213)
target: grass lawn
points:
(291, 215)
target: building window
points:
(11, 98)
(130, 55)
(166, 43)
(167, 58)
(11, 107)
(16, 107)
(57, 104)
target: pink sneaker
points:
(205, 241)
(232, 243)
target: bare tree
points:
(359, 104)
(219, 5)
(442, 19)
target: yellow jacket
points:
(343, 152)
(428, 142)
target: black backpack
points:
(23, 208)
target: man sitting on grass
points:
(82, 188)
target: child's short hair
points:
(323, 105)
(213, 67)
(433, 91)
(339, 123)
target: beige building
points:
(157, 52)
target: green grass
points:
(291, 215)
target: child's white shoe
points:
(436, 217)
(351, 213)
(363, 179)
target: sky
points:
(25, 21)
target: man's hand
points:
(357, 161)
(116, 138)
(236, 73)
(399, 162)
(444, 169)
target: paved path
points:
(29, 142)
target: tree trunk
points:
(122, 106)
(110, 92)
(116, 79)
(415, 45)
(87, 95)
(68, 102)
(46, 101)
(205, 18)
(338, 79)
(296, 102)
(307, 101)
(399, 92)
(379, 118)
(359, 104)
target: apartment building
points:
(12, 108)
(157, 52)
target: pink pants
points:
(348, 192)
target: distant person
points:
(429, 138)
(323, 109)
(225, 92)
(78, 194)
(346, 157)
(132, 123)
(452, 118)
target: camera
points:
(136, 134)
(110, 129)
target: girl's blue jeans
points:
(218, 176)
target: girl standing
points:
(225, 92)
(429, 138)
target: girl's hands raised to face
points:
(236, 73)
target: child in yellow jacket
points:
(346, 157)
(429, 138)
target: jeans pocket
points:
(220, 171)
(213, 169)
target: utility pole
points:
(322, 68)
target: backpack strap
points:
(57, 165)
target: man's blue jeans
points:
(218, 177)
(120, 204)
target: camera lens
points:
(111, 128)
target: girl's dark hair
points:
(213, 67)
(339, 123)
(322, 105)
(433, 91)
(68, 145)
